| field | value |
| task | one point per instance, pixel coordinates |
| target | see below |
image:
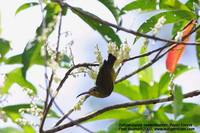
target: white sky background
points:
(20, 29)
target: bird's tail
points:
(111, 59)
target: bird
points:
(105, 79)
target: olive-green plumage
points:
(105, 79)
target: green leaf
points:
(186, 107)
(190, 3)
(107, 32)
(114, 128)
(144, 5)
(144, 89)
(146, 74)
(166, 78)
(15, 76)
(154, 90)
(64, 61)
(164, 83)
(192, 116)
(28, 129)
(116, 114)
(112, 8)
(25, 6)
(16, 59)
(178, 101)
(172, 5)
(128, 90)
(12, 111)
(178, 27)
(161, 116)
(32, 52)
(180, 69)
(170, 16)
(10, 130)
(198, 47)
(31, 55)
(4, 47)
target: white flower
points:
(113, 49)
(81, 69)
(120, 53)
(98, 55)
(80, 103)
(92, 74)
(179, 36)
(161, 21)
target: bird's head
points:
(94, 91)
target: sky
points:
(20, 28)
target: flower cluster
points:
(120, 53)
(24, 122)
(92, 74)
(99, 57)
(80, 103)
(47, 30)
(33, 110)
(161, 21)
(28, 91)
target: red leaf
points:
(175, 54)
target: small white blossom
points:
(53, 64)
(113, 49)
(120, 53)
(80, 103)
(161, 21)
(29, 91)
(92, 74)
(81, 69)
(179, 36)
(98, 55)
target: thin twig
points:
(46, 77)
(66, 115)
(123, 105)
(61, 84)
(60, 110)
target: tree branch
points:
(117, 106)
(97, 19)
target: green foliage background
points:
(175, 12)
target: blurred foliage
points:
(175, 13)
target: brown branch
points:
(123, 105)
(97, 19)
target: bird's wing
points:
(101, 75)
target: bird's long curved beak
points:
(84, 93)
